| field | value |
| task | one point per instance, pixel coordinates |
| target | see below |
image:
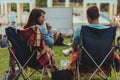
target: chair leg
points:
(107, 79)
(42, 74)
(115, 71)
(104, 78)
(8, 74)
(78, 72)
(98, 66)
(32, 73)
(20, 72)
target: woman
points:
(37, 18)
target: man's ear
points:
(88, 18)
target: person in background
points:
(4, 41)
(55, 35)
(59, 40)
(13, 24)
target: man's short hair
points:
(93, 12)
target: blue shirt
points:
(47, 35)
(78, 30)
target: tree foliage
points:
(41, 3)
(13, 7)
(26, 7)
(118, 7)
(104, 7)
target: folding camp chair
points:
(21, 67)
(96, 52)
(23, 55)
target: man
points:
(93, 20)
(92, 17)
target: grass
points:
(4, 61)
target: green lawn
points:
(4, 59)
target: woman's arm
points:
(47, 35)
(48, 38)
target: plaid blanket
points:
(32, 37)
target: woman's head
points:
(93, 13)
(37, 16)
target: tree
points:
(41, 3)
(118, 7)
(13, 7)
(26, 7)
(104, 7)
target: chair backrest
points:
(22, 50)
(97, 42)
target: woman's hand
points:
(48, 26)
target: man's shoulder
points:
(78, 28)
(98, 26)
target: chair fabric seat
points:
(98, 43)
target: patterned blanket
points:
(32, 37)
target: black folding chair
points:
(23, 56)
(96, 52)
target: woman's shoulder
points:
(41, 27)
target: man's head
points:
(92, 14)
